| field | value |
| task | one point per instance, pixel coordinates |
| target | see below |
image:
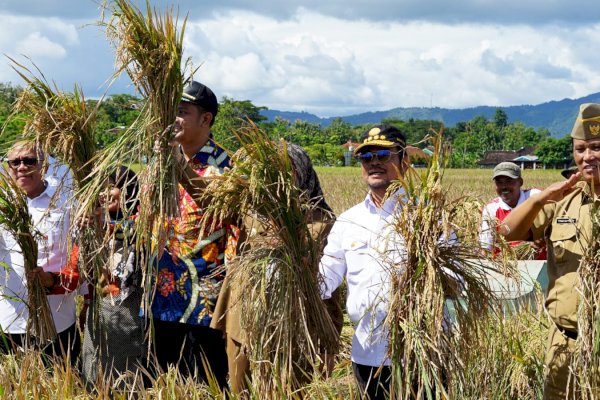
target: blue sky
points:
(337, 57)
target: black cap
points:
(201, 95)
(382, 136)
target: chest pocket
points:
(564, 240)
(355, 245)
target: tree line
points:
(469, 140)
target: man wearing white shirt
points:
(51, 217)
(508, 184)
(359, 248)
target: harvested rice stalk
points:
(15, 219)
(149, 47)
(282, 313)
(586, 359)
(62, 123)
(436, 268)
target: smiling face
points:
(29, 177)
(586, 154)
(378, 174)
(509, 189)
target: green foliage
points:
(326, 154)
(115, 114)
(234, 114)
(555, 152)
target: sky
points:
(333, 57)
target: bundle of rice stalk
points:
(285, 320)
(586, 360)
(439, 263)
(62, 123)
(149, 48)
(15, 219)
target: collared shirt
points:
(190, 271)
(495, 212)
(52, 223)
(360, 248)
(567, 227)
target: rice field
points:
(343, 186)
(505, 362)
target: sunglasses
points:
(379, 155)
(27, 161)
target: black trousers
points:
(189, 347)
(372, 386)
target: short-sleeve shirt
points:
(566, 225)
(190, 272)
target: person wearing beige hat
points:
(508, 184)
(561, 215)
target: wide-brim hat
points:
(382, 136)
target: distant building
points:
(523, 157)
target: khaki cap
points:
(507, 168)
(587, 124)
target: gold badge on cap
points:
(594, 130)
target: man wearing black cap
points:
(355, 250)
(190, 271)
(562, 215)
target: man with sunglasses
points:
(49, 208)
(359, 248)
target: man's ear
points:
(207, 119)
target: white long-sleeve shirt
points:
(361, 247)
(53, 225)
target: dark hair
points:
(126, 180)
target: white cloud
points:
(40, 47)
(335, 58)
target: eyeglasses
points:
(379, 155)
(27, 161)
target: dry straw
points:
(438, 276)
(149, 48)
(15, 219)
(284, 318)
(586, 361)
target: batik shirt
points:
(191, 269)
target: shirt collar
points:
(505, 206)
(388, 206)
(212, 154)
(49, 191)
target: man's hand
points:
(558, 191)
(47, 278)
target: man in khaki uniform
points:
(561, 215)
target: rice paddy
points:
(504, 362)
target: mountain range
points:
(556, 116)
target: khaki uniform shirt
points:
(566, 227)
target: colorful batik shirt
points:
(191, 269)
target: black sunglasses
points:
(379, 155)
(27, 161)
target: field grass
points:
(505, 363)
(343, 186)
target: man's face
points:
(586, 154)
(509, 189)
(25, 167)
(379, 172)
(191, 123)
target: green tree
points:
(500, 118)
(234, 114)
(555, 152)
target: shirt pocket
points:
(563, 239)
